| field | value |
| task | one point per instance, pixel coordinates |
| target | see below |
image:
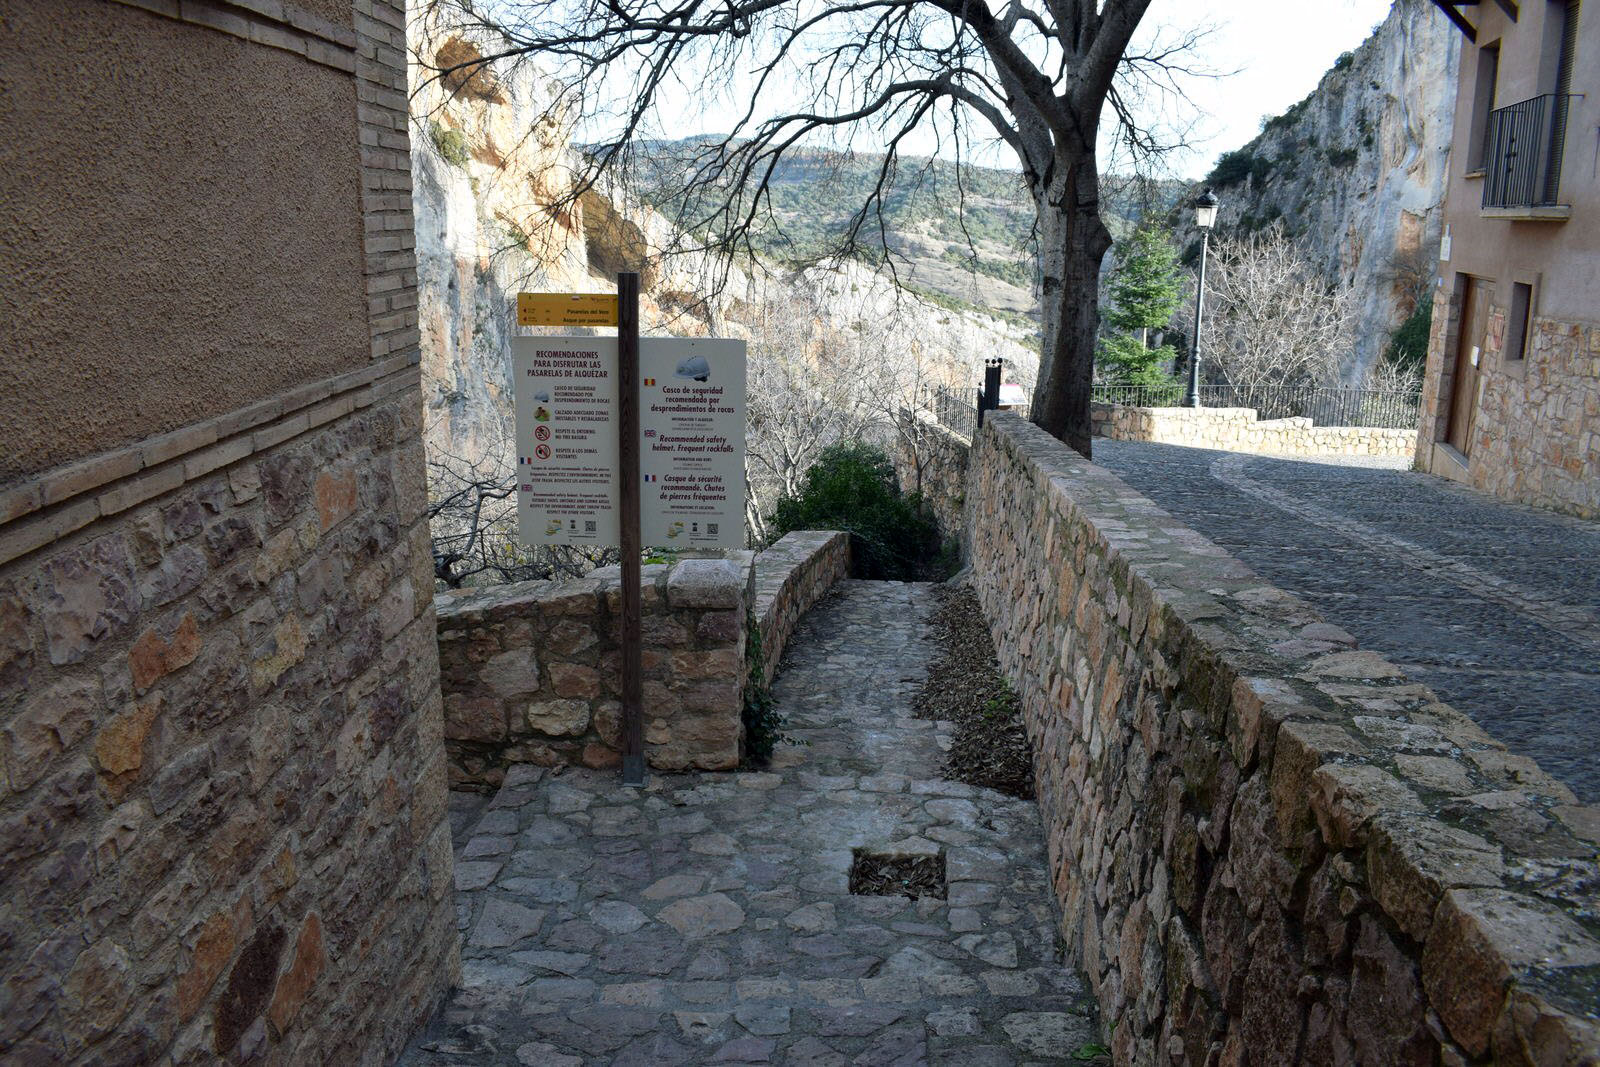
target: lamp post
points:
(1205, 216)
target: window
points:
(1517, 324)
(1482, 104)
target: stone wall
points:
(791, 576)
(1238, 430)
(223, 827)
(931, 458)
(532, 670)
(1536, 436)
(223, 830)
(1268, 846)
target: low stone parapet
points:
(1262, 837)
(791, 576)
(531, 671)
(1239, 430)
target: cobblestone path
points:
(1494, 606)
(707, 918)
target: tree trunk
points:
(1072, 243)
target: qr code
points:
(588, 526)
(711, 528)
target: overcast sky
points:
(1280, 50)
(1271, 53)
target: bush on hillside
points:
(1408, 347)
(851, 487)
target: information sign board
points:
(691, 459)
(565, 398)
(566, 309)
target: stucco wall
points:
(182, 232)
(223, 826)
(1268, 846)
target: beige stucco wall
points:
(1558, 258)
(182, 227)
(1536, 432)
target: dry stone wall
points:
(1238, 430)
(931, 459)
(531, 670)
(1269, 847)
(791, 576)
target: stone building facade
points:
(223, 830)
(1511, 402)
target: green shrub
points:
(452, 144)
(1238, 166)
(1408, 347)
(851, 487)
(1342, 157)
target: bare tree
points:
(1270, 317)
(472, 517)
(1036, 75)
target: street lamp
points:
(1205, 216)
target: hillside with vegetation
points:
(958, 234)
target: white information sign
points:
(691, 460)
(565, 396)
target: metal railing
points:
(1388, 408)
(1139, 396)
(1522, 160)
(955, 412)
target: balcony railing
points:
(1522, 161)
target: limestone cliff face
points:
(1356, 171)
(493, 216)
(496, 213)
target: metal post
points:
(989, 395)
(1193, 399)
(632, 549)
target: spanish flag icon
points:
(649, 381)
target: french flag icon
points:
(649, 477)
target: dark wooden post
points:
(632, 550)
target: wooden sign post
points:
(632, 549)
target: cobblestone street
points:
(708, 918)
(1494, 606)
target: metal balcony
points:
(1522, 159)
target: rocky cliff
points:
(497, 213)
(1356, 171)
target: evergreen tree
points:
(1144, 291)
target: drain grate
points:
(888, 874)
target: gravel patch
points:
(990, 746)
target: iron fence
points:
(956, 412)
(1391, 408)
(1522, 159)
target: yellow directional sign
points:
(566, 309)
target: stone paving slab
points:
(707, 918)
(1494, 606)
